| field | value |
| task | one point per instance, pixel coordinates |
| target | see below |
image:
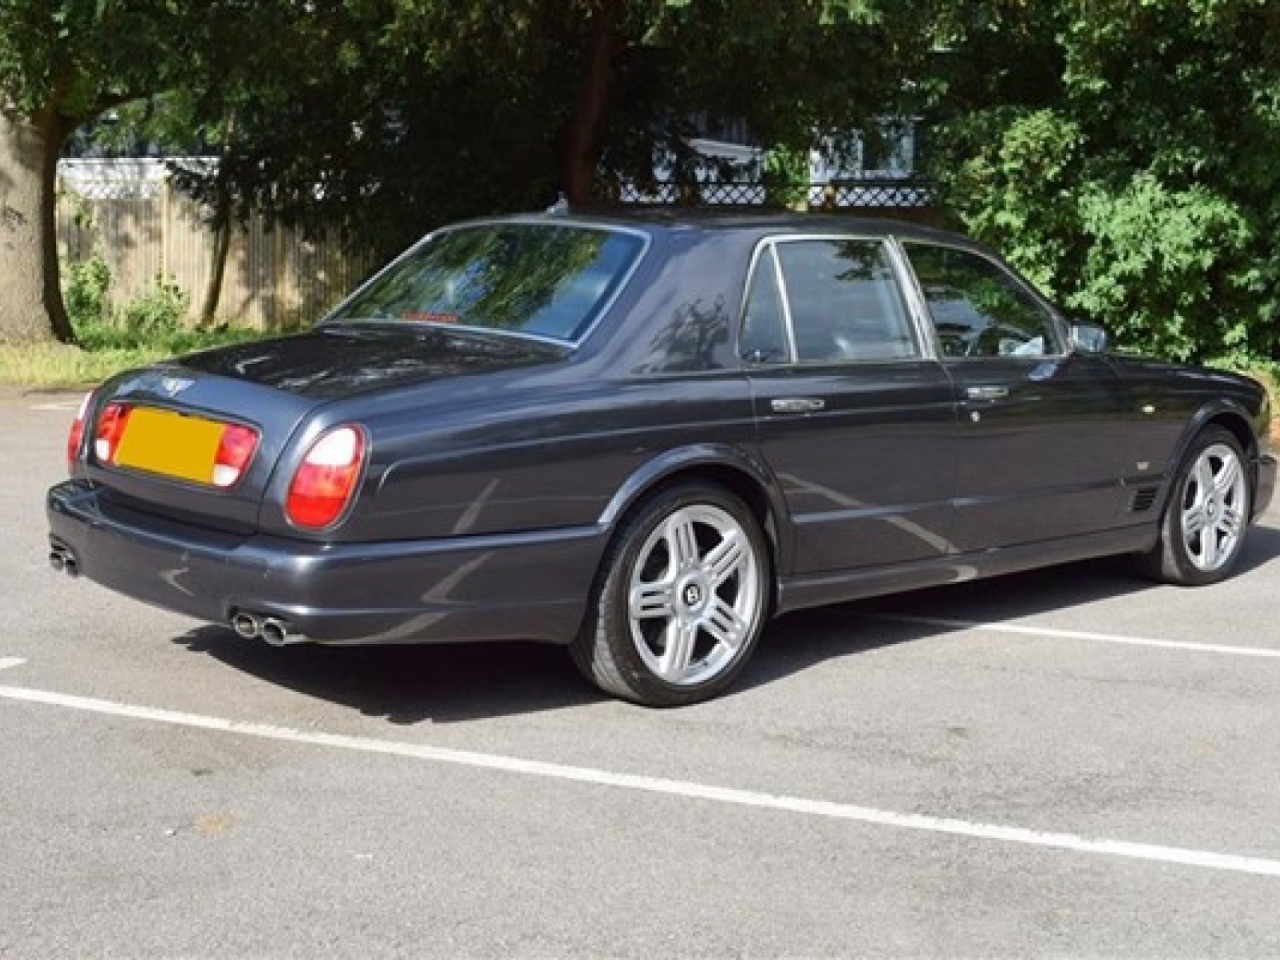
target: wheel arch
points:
(727, 466)
(1228, 415)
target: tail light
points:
(76, 435)
(326, 479)
(111, 424)
(235, 450)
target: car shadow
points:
(408, 685)
(801, 640)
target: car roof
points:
(751, 223)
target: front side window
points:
(549, 280)
(979, 309)
(839, 299)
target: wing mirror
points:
(1089, 338)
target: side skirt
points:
(816, 590)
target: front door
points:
(1042, 429)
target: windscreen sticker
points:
(425, 316)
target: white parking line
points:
(673, 788)
(1076, 635)
(59, 406)
(7, 662)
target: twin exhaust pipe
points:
(253, 626)
(64, 561)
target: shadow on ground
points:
(452, 684)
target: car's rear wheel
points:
(681, 600)
(1203, 527)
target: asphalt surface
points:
(1072, 763)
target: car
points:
(642, 436)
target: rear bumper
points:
(531, 586)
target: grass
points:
(104, 351)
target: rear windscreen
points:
(549, 280)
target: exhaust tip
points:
(246, 625)
(63, 560)
(275, 632)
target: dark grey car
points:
(640, 437)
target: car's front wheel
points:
(1203, 527)
(681, 601)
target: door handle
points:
(797, 404)
(986, 393)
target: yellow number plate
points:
(160, 441)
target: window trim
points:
(922, 335)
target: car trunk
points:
(177, 412)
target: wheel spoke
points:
(682, 542)
(727, 557)
(1203, 478)
(724, 623)
(1194, 519)
(1231, 521)
(1225, 482)
(1230, 524)
(653, 600)
(1208, 549)
(679, 638)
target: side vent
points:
(1143, 500)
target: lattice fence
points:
(862, 195)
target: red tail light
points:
(235, 450)
(76, 434)
(111, 422)
(325, 481)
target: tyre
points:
(681, 599)
(1203, 526)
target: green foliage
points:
(1123, 154)
(156, 319)
(786, 177)
(160, 311)
(1157, 265)
(86, 284)
(1015, 171)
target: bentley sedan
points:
(642, 437)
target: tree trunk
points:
(221, 224)
(582, 137)
(217, 271)
(31, 308)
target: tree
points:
(1124, 155)
(431, 110)
(383, 117)
(64, 62)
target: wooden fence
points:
(129, 212)
(145, 229)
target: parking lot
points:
(1063, 764)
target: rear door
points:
(1043, 430)
(855, 416)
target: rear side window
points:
(550, 280)
(826, 301)
(978, 308)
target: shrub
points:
(86, 284)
